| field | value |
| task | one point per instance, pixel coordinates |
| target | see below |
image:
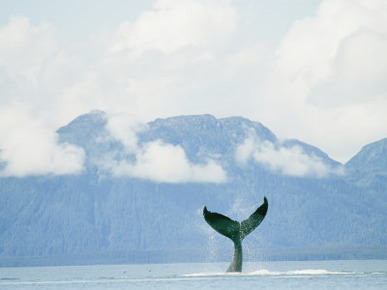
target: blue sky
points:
(307, 69)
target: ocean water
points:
(370, 274)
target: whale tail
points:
(234, 230)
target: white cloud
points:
(245, 150)
(24, 49)
(292, 161)
(162, 162)
(124, 127)
(35, 71)
(29, 148)
(359, 72)
(173, 24)
(329, 63)
(28, 142)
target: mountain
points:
(143, 203)
(371, 158)
(368, 169)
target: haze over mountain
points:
(138, 197)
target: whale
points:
(236, 231)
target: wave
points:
(264, 272)
(314, 272)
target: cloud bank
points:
(28, 148)
(291, 161)
(161, 162)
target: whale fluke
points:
(236, 231)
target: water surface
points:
(369, 274)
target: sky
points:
(314, 70)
